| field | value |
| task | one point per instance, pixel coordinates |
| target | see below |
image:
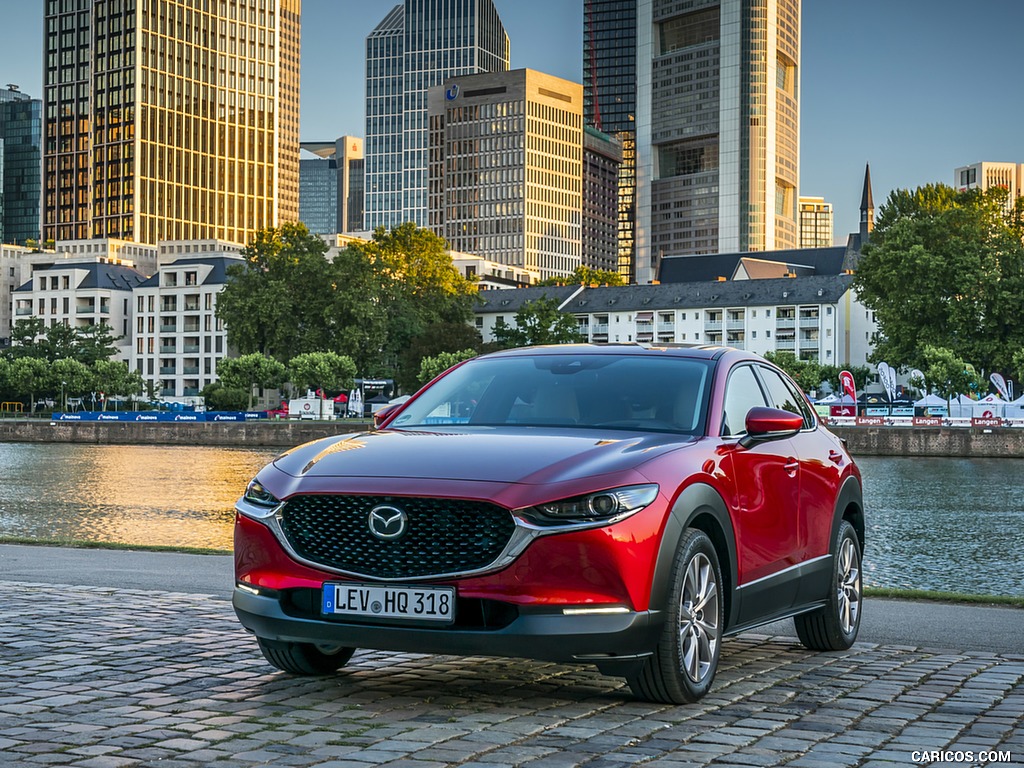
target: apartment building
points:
(177, 339)
(817, 317)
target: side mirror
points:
(770, 424)
(384, 414)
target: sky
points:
(914, 88)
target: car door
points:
(766, 483)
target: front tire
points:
(684, 663)
(834, 627)
(304, 659)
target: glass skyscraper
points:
(711, 99)
(20, 165)
(414, 48)
(171, 119)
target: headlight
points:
(257, 502)
(603, 507)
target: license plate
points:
(390, 602)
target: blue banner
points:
(162, 416)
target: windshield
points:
(650, 393)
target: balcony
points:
(712, 325)
(785, 344)
(167, 392)
(190, 349)
(190, 328)
(168, 349)
(667, 328)
(22, 311)
(86, 309)
(190, 370)
(168, 327)
(190, 392)
(167, 370)
(785, 322)
(599, 329)
(735, 325)
(809, 322)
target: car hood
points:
(521, 455)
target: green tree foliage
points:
(70, 377)
(434, 366)
(810, 374)
(538, 322)
(368, 303)
(945, 269)
(326, 371)
(947, 374)
(115, 379)
(95, 343)
(1018, 366)
(435, 339)
(420, 286)
(587, 276)
(250, 371)
(220, 398)
(28, 376)
(24, 333)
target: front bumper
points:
(616, 643)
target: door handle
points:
(791, 466)
(835, 457)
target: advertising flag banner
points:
(849, 385)
(887, 377)
(1000, 384)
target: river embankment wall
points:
(862, 440)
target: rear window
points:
(630, 392)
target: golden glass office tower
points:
(170, 119)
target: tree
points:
(419, 285)
(1018, 365)
(24, 335)
(95, 342)
(946, 269)
(27, 376)
(587, 276)
(947, 374)
(322, 371)
(71, 376)
(250, 371)
(220, 398)
(115, 379)
(435, 339)
(538, 322)
(811, 375)
(276, 302)
(432, 367)
(61, 342)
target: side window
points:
(742, 392)
(785, 396)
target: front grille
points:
(442, 536)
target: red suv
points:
(624, 506)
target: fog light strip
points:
(585, 611)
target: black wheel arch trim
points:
(700, 506)
(850, 495)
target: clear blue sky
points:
(913, 87)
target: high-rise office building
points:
(21, 132)
(414, 48)
(609, 102)
(815, 222)
(331, 185)
(170, 120)
(602, 159)
(716, 118)
(1009, 176)
(506, 168)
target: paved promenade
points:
(101, 678)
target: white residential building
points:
(177, 338)
(80, 294)
(984, 175)
(817, 317)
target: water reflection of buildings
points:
(152, 495)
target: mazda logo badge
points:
(387, 522)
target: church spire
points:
(867, 207)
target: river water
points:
(937, 523)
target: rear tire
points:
(834, 627)
(684, 663)
(304, 659)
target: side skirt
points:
(795, 590)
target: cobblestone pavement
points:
(103, 678)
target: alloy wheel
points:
(698, 618)
(849, 586)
